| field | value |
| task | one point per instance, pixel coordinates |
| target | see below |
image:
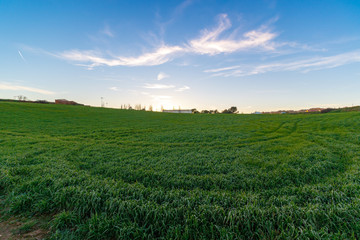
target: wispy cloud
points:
(306, 65)
(157, 86)
(107, 31)
(93, 59)
(154, 97)
(160, 97)
(209, 43)
(175, 15)
(161, 55)
(181, 7)
(6, 86)
(215, 70)
(184, 88)
(22, 57)
(114, 89)
(162, 75)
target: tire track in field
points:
(259, 140)
(343, 158)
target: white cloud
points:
(162, 75)
(114, 89)
(162, 55)
(221, 69)
(306, 65)
(184, 88)
(93, 59)
(160, 97)
(157, 86)
(87, 56)
(5, 86)
(209, 43)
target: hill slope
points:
(119, 174)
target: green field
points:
(100, 173)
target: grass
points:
(118, 174)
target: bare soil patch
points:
(11, 230)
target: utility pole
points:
(102, 102)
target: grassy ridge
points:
(118, 174)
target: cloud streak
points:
(210, 43)
(162, 76)
(184, 88)
(114, 89)
(107, 31)
(160, 97)
(306, 65)
(22, 57)
(158, 86)
(93, 59)
(5, 86)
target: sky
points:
(258, 55)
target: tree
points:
(138, 107)
(21, 98)
(230, 110)
(41, 101)
(233, 109)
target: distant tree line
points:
(231, 110)
(139, 107)
(327, 110)
(22, 98)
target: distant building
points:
(178, 111)
(66, 102)
(257, 113)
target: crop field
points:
(100, 173)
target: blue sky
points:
(256, 55)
